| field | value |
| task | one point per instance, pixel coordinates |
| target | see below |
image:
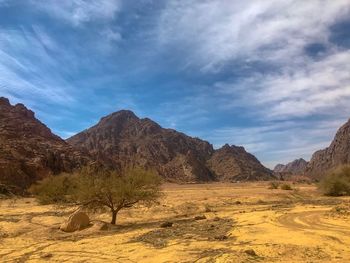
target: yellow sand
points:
(280, 226)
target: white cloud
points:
(217, 31)
(317, 87)
(79, 12)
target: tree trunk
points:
(114, 217)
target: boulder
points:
(76, 221)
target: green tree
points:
(100, 188)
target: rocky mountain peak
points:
(4, 101)
(28, 149)
(338, 153)
(127, 140)
(296, 167)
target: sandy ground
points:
(244, 223)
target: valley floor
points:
(244, 223)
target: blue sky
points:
(272, 75)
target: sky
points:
(272, 75)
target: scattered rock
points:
(201, 217)
(166, 224)
(76, 221)
(221, 237)
(46, 255)
(250, 252)
(238, 202)
(216, 219)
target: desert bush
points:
(100, 188)
(286, 187)
(274, 185)
(55, 189)
(337, 182)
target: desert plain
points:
(216, 222)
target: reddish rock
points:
(125, 140)
(233, 163)
(338, 153)
(297, 167)
(29, 150)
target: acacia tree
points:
(109, 189)
(101, 188)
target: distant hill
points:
(29, 150)
(126, 140)
(296, 167)
(338, 153)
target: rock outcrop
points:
(124, 140)
(233, 163)
(297, 167)
(29, 150)
(338, 153)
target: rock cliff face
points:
(338, 153)
(297, 167)
(233, 163)
(125, 140)
(29, 150)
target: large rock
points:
(125, 140)
(76, 221)
(29, 150)
(338, 153)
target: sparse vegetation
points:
(99, 188)
(337, 182)
(286, 187)
(274, 185)
(55, 189)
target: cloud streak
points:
(78, 12)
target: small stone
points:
(221, 237)
(46, 255)
(201, 217)
(250, 252)
(166, 224)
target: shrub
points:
(274, 185)
(55, 189)
(337, 182)
(286, 187)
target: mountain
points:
(297, 167)
(338, 153)
(125, 140)
(279, 168)
(29, 150)
(233, 163)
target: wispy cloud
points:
(28, 69)
(238, 72)
(316, 87)
(215, 32)
(78, 12)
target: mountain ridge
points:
(175, 155)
